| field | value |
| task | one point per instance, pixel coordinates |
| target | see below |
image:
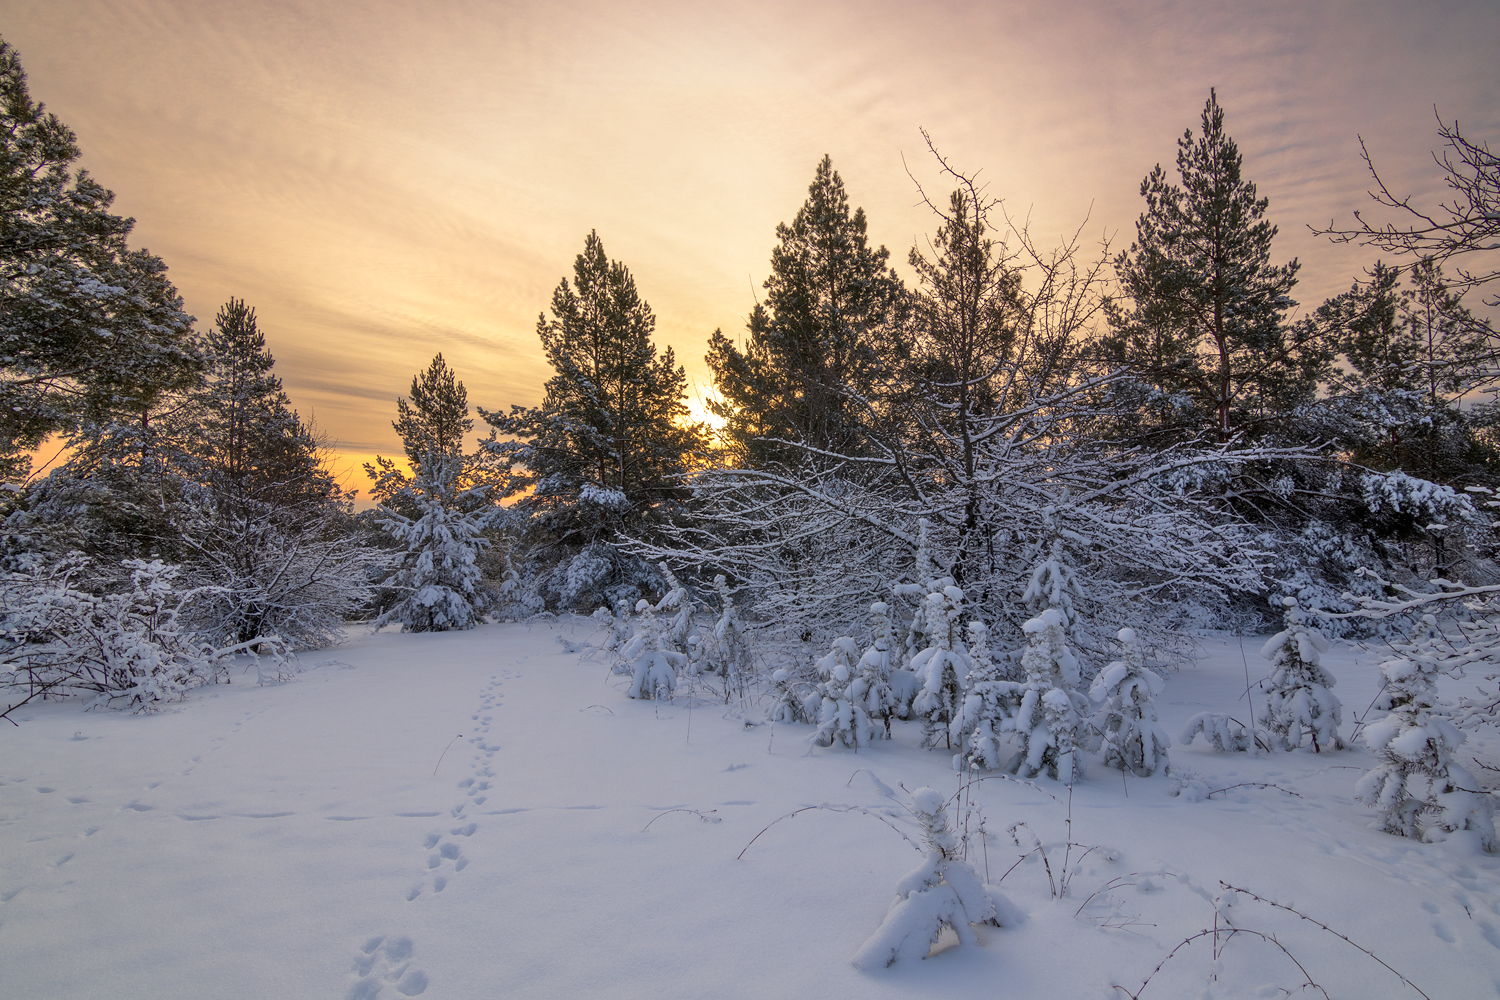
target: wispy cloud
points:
(384, 181)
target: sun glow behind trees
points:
(414, 180)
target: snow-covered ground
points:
(294, 841)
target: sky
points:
(383, 181)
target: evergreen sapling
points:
(943, 667)
(1052, 709)
(1126, 721)
(790, 705)
(989, 707)
(655, 674)
(1298, 702)
(878, 697)
(731, 648)
(841, 711)
(1418, 788)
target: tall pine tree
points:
(245, 432)
(813, 354)
(92, 334)
(1206, 319)
(610, 429)
(438, 513)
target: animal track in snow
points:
(386, 961)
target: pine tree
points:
(92, 333)
(813, 347)
(791, 701)
(1126, 719)
(943, 667)
(1419, 788)
(653, 668)
(990, 705)
(730, 653)
(609, 436)
(1298, 703)
(1054, 582)
(1052, 709)
(1208, 306)
(438, 513)
(875, 665)
(245, 431)
(1413, 355)
(841, 715)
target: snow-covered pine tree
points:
(438, 584)
(1053, 583)
(1298, 702)
(1126, 721)
(678, 631)
(926, 576)
(438, 513)
(841, 713)
(1052, 708)
(878, 696)
(654, 669)
(943, 667)
(943, 891)
(621, 631)
(1418, 788)
(731, 647)
(989, 707)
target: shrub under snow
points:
(943, 891)
(1225, 734)
(131, 647)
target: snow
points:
(293, 840)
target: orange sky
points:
(386, 180)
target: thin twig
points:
(1229, 935)
(837, 809)
(1253, 784)
(1318, 923)
(707, 817)
(445, 753)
